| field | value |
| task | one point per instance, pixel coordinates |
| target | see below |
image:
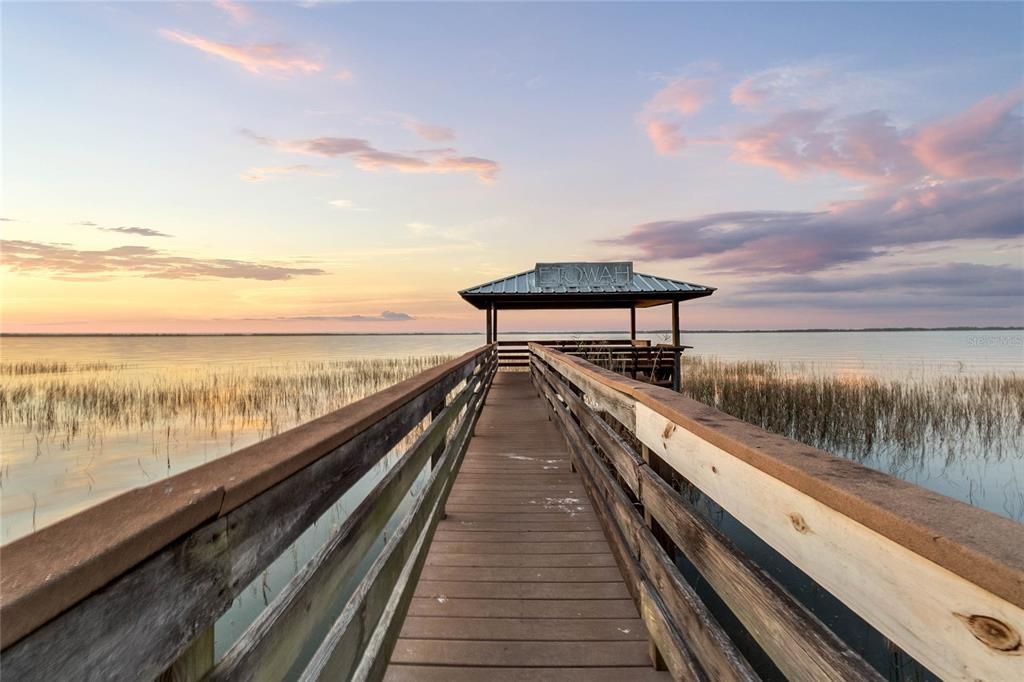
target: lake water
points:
(46, 478)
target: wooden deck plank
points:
(526, 608)
(519, 582)
(526, 560)
(521, 654)
(521, 574)
(416, 673)
(526, 629)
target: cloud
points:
(63, 260)
(866, 146)
(265, 173)
(985, 140)
(962, 280)
(385, 316)
(8, 220)
(960, 293)
(239, 12)
(140, 231)
(662, 114)
(683, 96)
(346, 204)
(85, 223)
(791, 83)
(665, 136)
(258, 59)
(344, 75)
(431, 133)
(368, 157)
(845, 232)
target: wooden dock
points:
(520, 581)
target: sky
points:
(348, 167)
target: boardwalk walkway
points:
(520, 582)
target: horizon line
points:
(520, 332)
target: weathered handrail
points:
(123, 589)
(942, 580)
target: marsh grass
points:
(96, 398)
(856, 415)
(54, 367)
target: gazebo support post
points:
(632, 337)
(489, 327)
(494, 321)
(676, 355)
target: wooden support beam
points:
(676, 383)
(490, 324)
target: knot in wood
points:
(993, 633)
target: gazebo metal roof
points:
(582, 285)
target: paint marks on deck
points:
(520, 583)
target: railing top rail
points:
(981, 547)
(51, 570)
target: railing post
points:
(194, 662)
(651, 460)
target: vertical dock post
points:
(676, 356)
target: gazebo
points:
(586, 285)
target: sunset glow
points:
(348, 167)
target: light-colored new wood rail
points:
(943, 580)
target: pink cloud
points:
(431, 133)
(683, 96)
(65, 260)
(985, 140)
(665, 136)
(238, 11)
(258, 59)
(865, 146)
(367, 157)
(749, 93)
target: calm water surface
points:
(46, 479)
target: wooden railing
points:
(942, 580)
(638, 359)
(131, 589)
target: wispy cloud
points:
(662, 115)
(267, 172)
(239, 12)
(431, 133)
(747, 242)
(273, 58)
(368, 157)
(666, 136)
(866, 146)
(985, 140)
(139, 231)
(62, 259)
(346, 204)
(385, 316)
